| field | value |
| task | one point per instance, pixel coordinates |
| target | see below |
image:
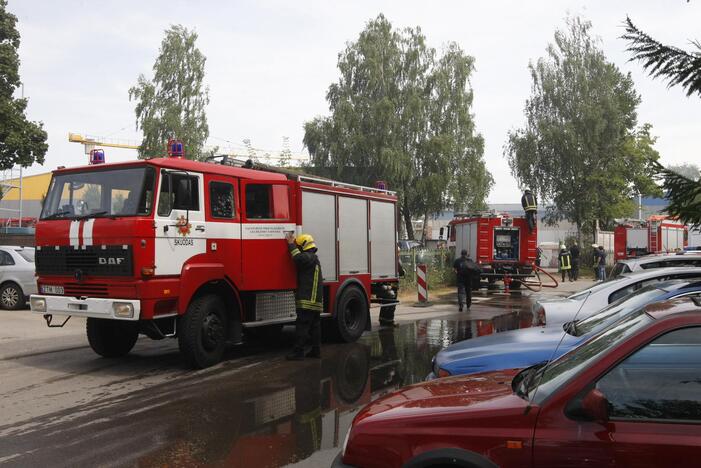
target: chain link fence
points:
(439, 266)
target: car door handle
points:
(199, 228)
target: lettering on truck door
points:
(179, 221)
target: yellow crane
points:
(89, 142)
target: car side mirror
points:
(596, 406)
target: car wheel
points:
(12, 297)
(202, 332)
(351, 314)
(111, 338)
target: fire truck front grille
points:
(85, 290)
(96, 260)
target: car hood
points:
(443, 396)
(506, 350)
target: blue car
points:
(529, 346)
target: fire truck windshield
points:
(100, 193)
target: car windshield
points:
(615, 311)
(27, 254)
(103, 192)
(594, 288)
(542, 383)
(618, 269)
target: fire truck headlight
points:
(123, 309)
(37, 304)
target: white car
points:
(17, 280)
(585, 303)
(648, 262)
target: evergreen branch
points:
(678, 66)
(684, 195)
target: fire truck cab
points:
(171, 247)
(501, 245)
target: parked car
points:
(629, 396)
(408, 244)
(648, 262)
(17, 280)
(530, 346)
(583, 304)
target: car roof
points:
(655, 257)
(652, 273)
(676, 306)
(15, 247)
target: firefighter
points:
(565, 260)
(309, 296)
(530, 206)
(575, 252)
(465, 269)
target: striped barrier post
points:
(422, 282)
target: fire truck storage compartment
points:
(466, 238)
(319, 220)
(506, 242)
(672, 238)
(383, 261)
(352, 235)
(636, 238)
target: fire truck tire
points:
(351, 314)
(202, 331)
(516, 285)
(111, 338)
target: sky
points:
(269, 65)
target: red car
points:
(630, 396)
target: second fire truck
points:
(502, 245)
(171, 247)
(657, 234)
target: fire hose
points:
(537, 284)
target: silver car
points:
(17, 279)
(648, 262)
(585, 303)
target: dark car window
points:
(617, 310)
(651, 265)
(618, 269)
(661, 381)
(6, 258)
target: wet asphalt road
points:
(64, 406)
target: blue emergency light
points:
(97, 156)
(381, 185)
(175, 148)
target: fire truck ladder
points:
(654, 225)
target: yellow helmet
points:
(305, 242)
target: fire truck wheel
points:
(351, 314)
(202, 331)
(515, 285)
(111, 338)
(12, 297)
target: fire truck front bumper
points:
(116, 309)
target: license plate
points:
(51, 289)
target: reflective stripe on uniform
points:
(294, 252)
(309, 305)
(316, 283)
(565, 262)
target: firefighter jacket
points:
(309, 294)
(565, 260)
(528, 202)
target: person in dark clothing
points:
(575, 252)
(565, 262)
(465, 269)
(309, 296)
(530, 206)
(601, 263)
(538, 256)
(387, 312)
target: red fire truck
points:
(657, 234)
(502, 245)
(171, 247)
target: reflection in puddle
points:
(270, 414)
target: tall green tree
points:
(172, 104)
(401, 112)
(21, 142)
(680, 68)
(580, 147)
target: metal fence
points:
(439, 264)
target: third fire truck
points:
(171, 247)
(657, 234)
(502, 245)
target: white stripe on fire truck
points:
(73, 233)
(87, 231)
